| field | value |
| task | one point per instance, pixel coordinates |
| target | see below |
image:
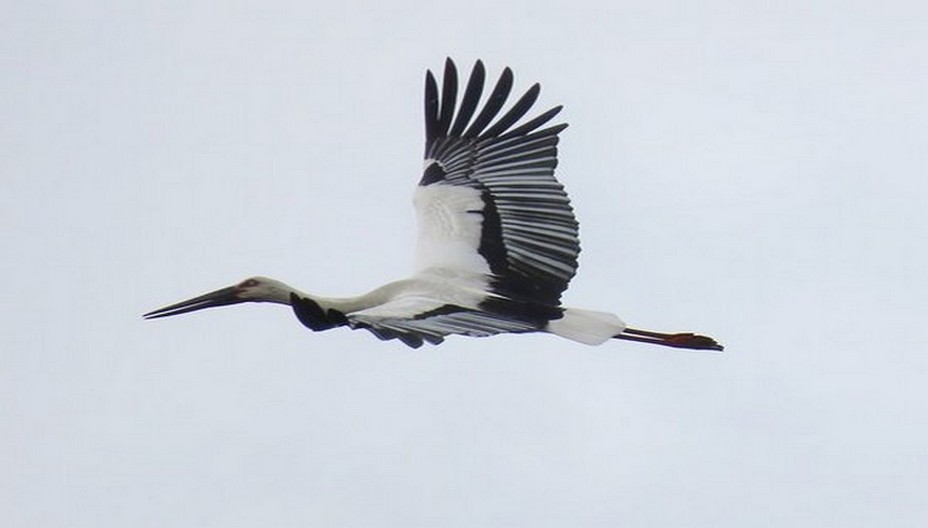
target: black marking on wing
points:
(529, 235)
(409, 339)
(432, 174)
(313, 316)
(534, 313)
(492, 248)
(432, 326)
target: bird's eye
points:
(250, 283)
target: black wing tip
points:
(431, 86)
(551, 114)
(468, 119)
(450, 67)
(553, 130)
(492, 105)
(431, 107)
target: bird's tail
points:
(586, 326)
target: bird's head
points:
(252, 289)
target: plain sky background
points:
(753, 171)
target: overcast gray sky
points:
(754, 172)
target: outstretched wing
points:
(414, 320)
(488, 201)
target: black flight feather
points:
(470, 100)
(493, 105)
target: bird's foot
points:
(681, 340)
(694, 341)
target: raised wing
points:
(414, 320)
(488, 201)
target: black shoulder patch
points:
(433, 174)
(313, 316)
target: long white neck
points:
(278, 292)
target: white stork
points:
(498, 241)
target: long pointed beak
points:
(209, 300)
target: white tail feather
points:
(586, 326)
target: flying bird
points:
(498, 241)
